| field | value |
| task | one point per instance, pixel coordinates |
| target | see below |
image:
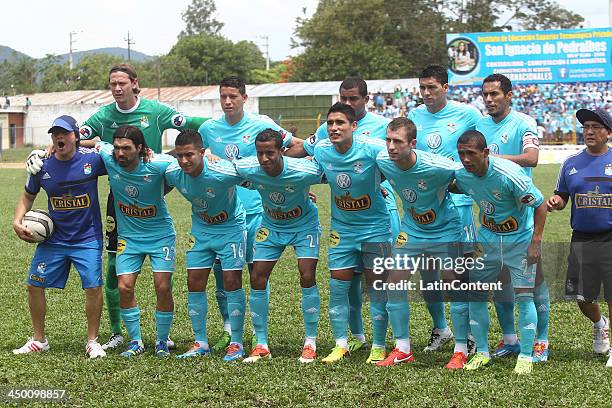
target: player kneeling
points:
(289, 218)
(70, 179)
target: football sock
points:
(479, 324)
(436, 310)
(220, 293)
(398, 309)
(197, 306)
(403, 345)
(459, 314)
(163, 322)
(378, 316)
(259, 302)
(236, 307)
(339, 307)
(131, 318)
(355, 305)
(541, 298)
(504, 308)
(311, 310)
(111, 292)
(528, 321)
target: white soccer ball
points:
(39, 223)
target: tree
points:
(55, 76)
(347, 36)
(167, 70)
(199, 19)
(212, 58)
(92, 70)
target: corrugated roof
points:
(185, 93)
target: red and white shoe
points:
(457, 361)
(257, 354)
(32, 346)
(396, 357)
(308, 355)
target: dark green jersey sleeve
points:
(93, 126)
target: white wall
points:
(39, 117)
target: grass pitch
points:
(572, 377)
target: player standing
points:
(585, 178)
(514, 136)
(144, 228)
(430, 227)
(358, 206)
(217, 231)
(152, 118)
(354, 92)
(511, 237)
(439, 124)
(70, 179)
(232, 136)
(289, 218)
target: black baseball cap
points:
(67, 123)
(598, 115)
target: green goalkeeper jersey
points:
(150, 116)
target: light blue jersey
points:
(358, 206)
(139, 195)
(215, 206)
(429, 212)
(286, 204)
(438, 132)
(504, 195)
(515, 133)
(235, 141)
(371, 125)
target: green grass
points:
(573, 376)
(16, 155)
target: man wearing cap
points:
(70, 179)
(586, 178)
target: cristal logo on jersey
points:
(210, 192)
(232, 151)
(179, 120)
(487, 207)
(504, 138)
(213, 219)
(276, 197)
(409, 195)
(144, 122)
(66, 203)
(200, 202)
(85, 132)
(246, 138)
(41, 268)
(593, 199)
(277, 214)
(494, 148)
(510, 224)
(87, 169)
(434, 140)
(131, 191)
(343, 180)
(134, 211)
(422, 185)
(290, 188)
(425, 218)
(348, 203)
(608, 169)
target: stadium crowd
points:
(553, 106)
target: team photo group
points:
(439, 204)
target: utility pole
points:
(129, 43)
(72, 41)
(267, 45)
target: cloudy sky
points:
(154, 24)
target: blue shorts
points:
(468, 225)
(131, 253)
(352, 250)
(253, 222)
(229, 248)
(51, 264)
(508, 252)
(270, 244)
